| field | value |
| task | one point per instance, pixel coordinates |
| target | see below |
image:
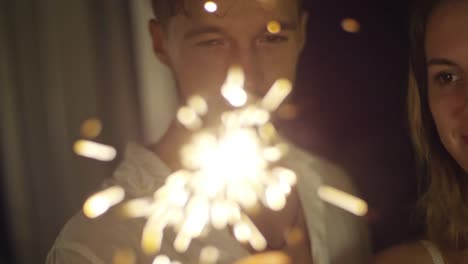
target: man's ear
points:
(159, 41)
(303, 30)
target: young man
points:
(199, 47)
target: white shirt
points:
(336, 236)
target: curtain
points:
(61, 62)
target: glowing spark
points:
(219, 214)
(209, 255)
(272, 154)
(100, 202)
(198, 104)
(257, 241)
(136, 208)
(94, 150)
(232, 89)
(294, 237)
(225, 171)
(211, 6)
(350, 25)
(126, 256)
(274, 257)
(182, 242)
(343, 200)
(91, 128)
(277, 94)
(242, 232)
(189, 118)
(274, 27)
(275, 198)
(162, 259)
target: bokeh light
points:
(100, 202)
(274, 27)
(350, 25)
(91, 128)
(124, 256)
(343, 200)
(209, 255)
(211, 6)
(162, 259)
(94, 150)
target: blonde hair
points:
(443, 201)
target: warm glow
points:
(277, 94)
(343, 200)
(198, 104)
(91, 128)
(257, 241)
(209, 255)
(233, 88)
(225, 172)
(182, 242)
(162, 259)
(189, 118)
(242, 232)
(100, 202)
(136, 208)
(94, 150)
(153, 231)
(211, 6)
(350, 25)
(219, 214)
(275, 198)
(125, 256)
(274, 27)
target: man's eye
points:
(273, 39)
(211, 43)
(444, 78)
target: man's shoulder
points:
(98, 238)
(109, 227)
(315, 166)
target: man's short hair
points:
(165, 9)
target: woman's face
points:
(447, 60)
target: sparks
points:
(226, 172)
(343, 200)
(94, 150)
(211, 6)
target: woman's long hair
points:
(443, 201)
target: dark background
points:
(351, 100)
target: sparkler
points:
(226, 172)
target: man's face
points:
(201, 46)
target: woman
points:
(438, 115)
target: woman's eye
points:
(444, 78)
(211, 43)
(273, 39)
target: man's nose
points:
(247, 58)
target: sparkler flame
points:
(225, 173)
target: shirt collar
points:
(142, 172)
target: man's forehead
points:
(286, 9)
